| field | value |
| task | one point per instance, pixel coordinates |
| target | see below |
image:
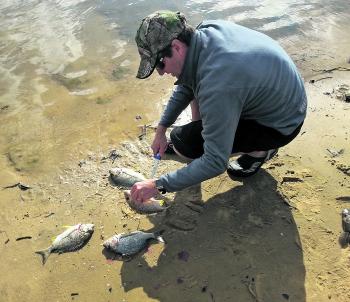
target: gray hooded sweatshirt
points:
(233, 73)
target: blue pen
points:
(156, 160)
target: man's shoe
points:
(247, 165)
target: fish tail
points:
(44, 254)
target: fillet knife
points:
(156, 161)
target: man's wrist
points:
(160, 186)
(161, 129)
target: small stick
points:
(24, 237)
(251, 288)
(332, 69)
(19, 185)
(8, 239)
(11, 186)
(212, 297)
(252, 291)
(343, 198)
(50, 214)
(313, 81)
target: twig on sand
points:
(8, 239)
(219, 186)
(138, 225)
(251, 288)
(20, 185)
(343, 198)
(143, 129)
(331, 70)
(291, 179)
(212, 297)
(23, 238)
(50, 214)
(313, 81)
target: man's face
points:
(173, 65)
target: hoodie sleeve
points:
(220, 109)
(179, 100)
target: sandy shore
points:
(272, 237)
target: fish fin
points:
(126, 257)
(44, 254)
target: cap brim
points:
(146, 67)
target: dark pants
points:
(250, 136)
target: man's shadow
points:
(240, 245)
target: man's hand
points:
(160, 143)
(144, 190)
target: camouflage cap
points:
(154, 35)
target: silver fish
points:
(130, 244)
(344, 238)
(150, 206)
(124, 177)
(345, 220)
(72, 239)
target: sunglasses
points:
(167, 52)
(160, 63)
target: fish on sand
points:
(129, 244)
(72, 239)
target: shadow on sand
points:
(240, 245)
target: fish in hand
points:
(125, 178)
(149, 206)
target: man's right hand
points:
(160, 142)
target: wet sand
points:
(272, 237)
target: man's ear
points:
(179, 46)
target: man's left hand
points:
(144, 190)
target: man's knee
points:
(187, 140)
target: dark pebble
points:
(183, 255)
(179, 280)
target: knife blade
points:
(156, 161)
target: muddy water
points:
(68, 90)
(66, 78)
